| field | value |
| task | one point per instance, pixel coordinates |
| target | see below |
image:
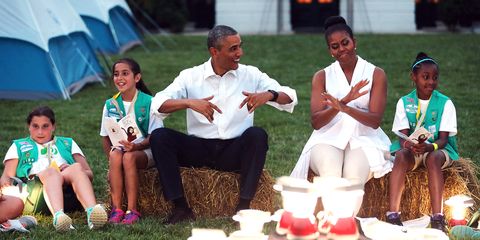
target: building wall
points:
(381, 16)
(253, 16)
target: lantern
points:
(459, 205)
(207, 234)
(340, 199)
(299, 198)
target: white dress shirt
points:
(201, 82)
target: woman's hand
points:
(355, 92)
(334, 102)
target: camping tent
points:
(111, 23)
(45, 51)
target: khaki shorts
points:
(150, 161)
(421, 159)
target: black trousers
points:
(245, 155)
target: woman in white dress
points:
(347, 105)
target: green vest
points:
(432, 120)
(28, 153)
(141, 108)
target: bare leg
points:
(116, 178)
(81, 184)
(434, 163)
(52, 182)
(404, 161)
(10, 208)
(131, 162)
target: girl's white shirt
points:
(448, 123)
(42, 163)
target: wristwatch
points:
(275, 95)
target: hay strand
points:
(209, 193)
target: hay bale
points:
(460, 178)
(209, 193)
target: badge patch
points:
(434, 115)
(411, 108)
(26, 148)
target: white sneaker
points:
(62, 222)
(96, 217)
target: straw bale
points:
(209, 193)
(460, 178)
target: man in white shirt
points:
(220, 97)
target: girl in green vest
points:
(428, 108)
(132, 153)
(55, 161)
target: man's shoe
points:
(437, 221)
(394, 218)
(180, 215)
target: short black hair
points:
(216, 34)
(336, 23)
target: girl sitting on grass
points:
(56, 161)
(133, 98)
(428, 108)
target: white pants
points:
(327, 160)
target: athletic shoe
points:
(394, 218)
(62, 222)
(437, 221)
(131, 217)
(116, 216)
(96, 217)
(28, 221)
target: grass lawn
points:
(292, 60)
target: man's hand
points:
(355, 92)
(255, 100)
(204, 107)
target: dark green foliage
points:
(168, 14)
(456, 13)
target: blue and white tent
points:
(111, 23)
(45, 51)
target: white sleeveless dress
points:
(343, 129)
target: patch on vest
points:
(26, 146)
(434, 114)
(411, 108)
(112, 112)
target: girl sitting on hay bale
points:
(131, 106)
(428, 108)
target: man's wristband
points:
(275, 95)
(435, 146)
